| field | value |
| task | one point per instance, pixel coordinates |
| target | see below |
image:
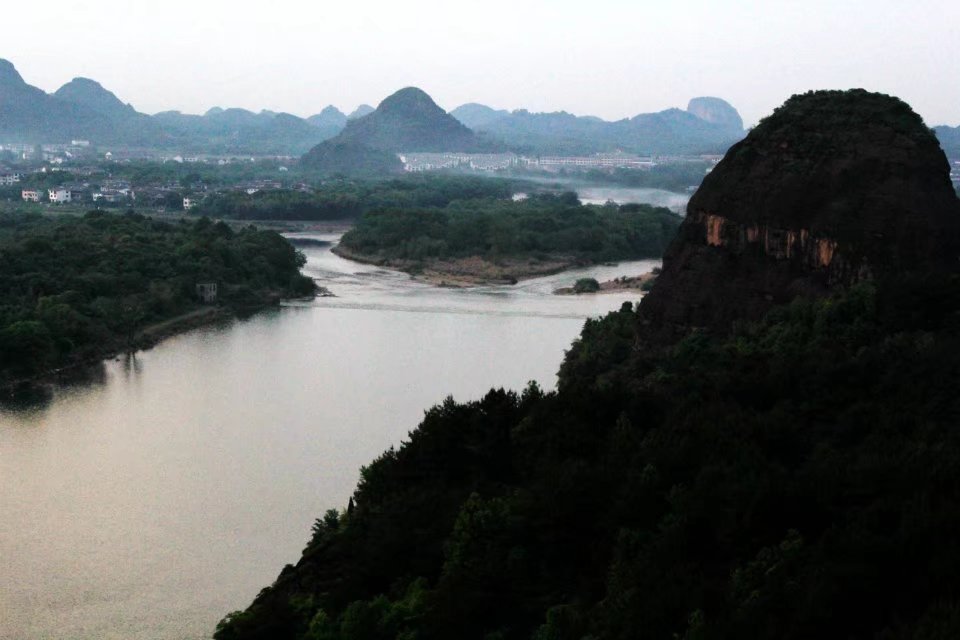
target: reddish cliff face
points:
(833, 188)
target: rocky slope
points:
(833, 188)
(716, 111)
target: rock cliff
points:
(716, 111)
(834, 187)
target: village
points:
(79, 174)
(82, 175)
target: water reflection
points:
(132, 365)
(35, 396)
(167, 487)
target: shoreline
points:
(623, 283)
(145, 339)
(466, 272)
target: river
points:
(676, 202)
(167, 490)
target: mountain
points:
(83, 109)
(350, 158)
(91, 94)
(475, 116)
(788, 471)
(330, 117)
(28, 114)
(950, 139)
(359, 112)
(716, 111)
(409, 120)
(126, 125)
(406, 121)
(710, 125)
(832, 189)
(227, 131)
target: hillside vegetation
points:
(795, 480)
(342, 199)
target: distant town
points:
(81, 173)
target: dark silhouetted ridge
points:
(834, 188)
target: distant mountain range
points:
(709, 125)
(408, 120)
(83, 109)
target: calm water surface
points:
(621, 195)
(169, 490)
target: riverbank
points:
(624, 283)
(470, 271)
(146, 338)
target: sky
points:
(609, 58)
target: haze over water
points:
(151, 502)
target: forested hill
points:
(76, 288)
(792, 474)
(406, 121)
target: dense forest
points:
(348, 198)
(797, 479)
(765, 447)
(72, 288)
(542, 225)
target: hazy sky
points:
(611, 58)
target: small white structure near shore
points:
(59, 196)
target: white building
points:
(59, 196)
(188, 203)
(112, 195)
(30, 195)
(9, 179)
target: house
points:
(207, 292)
(30, 195)
(189, 203)
(59, 196)
(9, 179)
(112, 196)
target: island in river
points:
(643, 282)
(490, 241)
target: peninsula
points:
(79, 288)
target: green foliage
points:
(73, 287)
(796, 479)
(586, 285)
(540, 225)
(342, 199)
